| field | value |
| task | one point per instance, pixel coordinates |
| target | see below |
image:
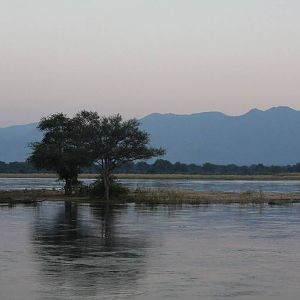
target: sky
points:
(137, 57)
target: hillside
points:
(268, 137)
(14, 141)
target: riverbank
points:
(275, 177)
(155, 196)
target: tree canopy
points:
(117, 142)
(62, 149)
(70, 144)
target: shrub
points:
(96, 189)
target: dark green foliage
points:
(63, 148)
(165, 167)
(116, 143)
(142, 167)
(162, 166)
(70, 144)
(97, 189)
(17, 167)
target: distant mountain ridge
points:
(14, 141)
(268, 137)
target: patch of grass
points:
(27, 196)
(283, 176)
(287, 176)
(155, 197)
(165, 196)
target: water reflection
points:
(63, 251)
(83, 250)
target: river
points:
(283, 186)
(62, 251)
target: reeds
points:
(157, 196)
(167, 196)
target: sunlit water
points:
(64, 251)
(282, 186)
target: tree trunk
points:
(106, 185)
(68, 187)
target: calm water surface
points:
(196, 185)
(55, 250)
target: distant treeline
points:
(161, 166)
(17, 167)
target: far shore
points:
(283, 176)
(154, 197)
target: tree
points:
(162, 166)
(63, 147)
(142, 167)
(116, 142)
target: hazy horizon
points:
(138, 57)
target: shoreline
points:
(154, 197)
(276, 177)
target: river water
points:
(64, 251)
(283, 186)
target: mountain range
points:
(271, 137)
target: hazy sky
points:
(141, 56)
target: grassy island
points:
(155, 196)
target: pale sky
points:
(136, 57)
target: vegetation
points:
(63, 148)
(275, 177)
(114, 143)
(97, 189)
(166, 196)
(17, 167)
(161, 166)
(70, 144)
(281, 176)
(153, 197)
(27, 196)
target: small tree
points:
(116, 142)
(63, 148)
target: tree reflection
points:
(80, 247)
